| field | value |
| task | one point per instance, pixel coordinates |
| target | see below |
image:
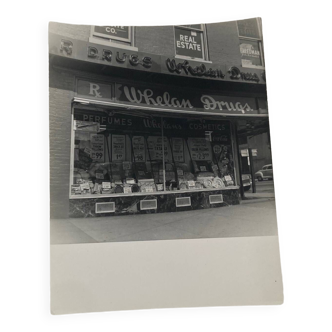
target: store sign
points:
(189, 43)
(200, 70)
(189, 101)
(171, 99)
(112, 32)
(93, 89)
(250, 53)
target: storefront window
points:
(191, 42)
(117, 153)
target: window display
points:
(116, 153)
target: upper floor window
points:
(251, 43)
(191, 42)
(117, 36)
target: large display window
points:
(116, 153)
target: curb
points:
(256, 200)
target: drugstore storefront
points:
(140, 133)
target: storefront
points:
(141, 146)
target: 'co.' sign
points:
(120, 32)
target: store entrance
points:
(256, 157)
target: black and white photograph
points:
(160, 133)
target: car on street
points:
(246, 182)
(265, 173)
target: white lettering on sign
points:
(137, 96)
(210, 104)
(188, 42)
(94, 90)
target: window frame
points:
(260, 44)
(206, 57)
(118, 42)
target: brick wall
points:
(224, 45)
(223, 40)
(60, 97)
(80, 32)
(155, 40)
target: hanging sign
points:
(199, 149)
(139, 148)
(178, 151)
(97, 147)
(118, 147)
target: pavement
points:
(255, 216)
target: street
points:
(253, 217)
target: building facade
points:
(152, 119)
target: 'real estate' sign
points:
(189, 43)
(170, 99)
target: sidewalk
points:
(257, 197)
(257, 219)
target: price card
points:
(228, 178)
(85, 185)
(199, 149)
(155, 146)
(97, 147)
(149, 189)
(118, 147)
(106, 185)
(127, 190)
(178, 149)
(100, 175)
(139, 148)
(191, 183)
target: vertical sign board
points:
(156, 149)
(97, 147)
(199, 149)
(189, 43)
(178, 149)
(250, 53)
(118, 147)
(139, 148)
